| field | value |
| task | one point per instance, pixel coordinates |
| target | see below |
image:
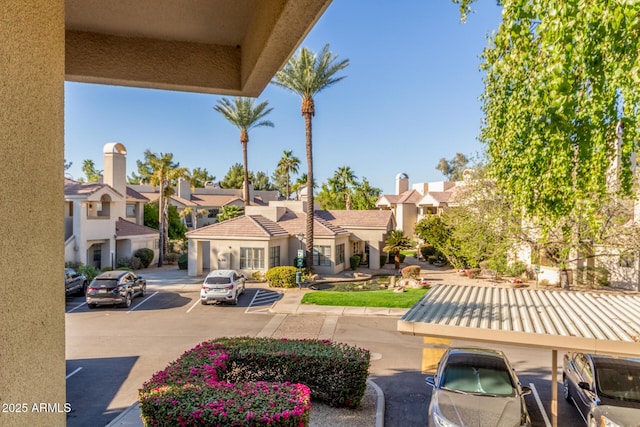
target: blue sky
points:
(409, 99)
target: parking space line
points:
(142, 302)
(194, 305)
(537, 397)
(77, 307)
(252, 300)
(73, 373)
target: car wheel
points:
(203, 302)
(127, 301)
(92, 305)
(234, 301)
(565, 389)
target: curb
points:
(128, 417)
(379, 403)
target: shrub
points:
(432, 258)
(103, 269)
(133, 263)
(145, 255)
(473, 273)
(427, 250)
(402, 257)
(89, 271)
(248, 381)
(411, 272)
(383, 260)
(183, 261)
(171, 258)
(282, 277)
(257, 276)
(516, 269)
(354, 261)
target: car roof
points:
(476, 351)
(609, 360)
(218, 273)
(113, 274)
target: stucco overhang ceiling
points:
(230, 47)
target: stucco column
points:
(32, 334)
(195, 258)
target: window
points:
(274, 256)
(131, 210)
(97, 255)
(340, 254)
(213, 213)
(251, 258)
(322, 255)
(627, 260)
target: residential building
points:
(104, 221)
(272, 235)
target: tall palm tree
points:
(243, 114)
(344, 179)
(163, 172)
(287, 165)
(306, 74)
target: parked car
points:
(222, 286)
(74, 282)
(115, 287)
(605, 389)
(476, 387)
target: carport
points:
(590, 322)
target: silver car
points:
(605, 389)
(222, 286)
(476, 387)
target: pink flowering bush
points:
(254, 381)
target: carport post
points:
(554, 388)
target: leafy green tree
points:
(306, 74)
(245, 115)
(301, 183)
(235, 177)
(365, 196)
(175, 228)
(228, 212)
(343, 182)
(90, 171)
(328, 198)
(287, 165)
(396, 242)
(453, 168)
(261, 182)
(199, 177)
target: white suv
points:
(222, 286)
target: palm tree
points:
(343, 179)
(163, 172)
(243, 114)
(228, 212)
(287, 165)
(306, 74)
(194, 213)
(395, 243)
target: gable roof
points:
(409, 196)
(126, 228)
(357, 218)
(245, 226)
(85, 189)
(436, 198)
(134, 195)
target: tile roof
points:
(126, 228)
(75, 188)
(134, 195)
(214, 199)
(410, 196)
(357, 218)
(582, 321)
(296, 223)
(253, 226)
(436, 196)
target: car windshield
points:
(105, 283)
(619, 379)
(217, 280)
(478, 375)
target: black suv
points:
(115, 288)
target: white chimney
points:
(115, 167)
(402, 183)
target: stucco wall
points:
(32, 353)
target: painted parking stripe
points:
(77, 307)
(537, 397)
(194, 304)
(73, 373)
(142, 302)
(262, 301)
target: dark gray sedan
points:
(74, 282)
(605, 389)
(477, 387)
(115, 288)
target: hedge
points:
(282, 277)
(254, 381)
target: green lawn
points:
(381, 298)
